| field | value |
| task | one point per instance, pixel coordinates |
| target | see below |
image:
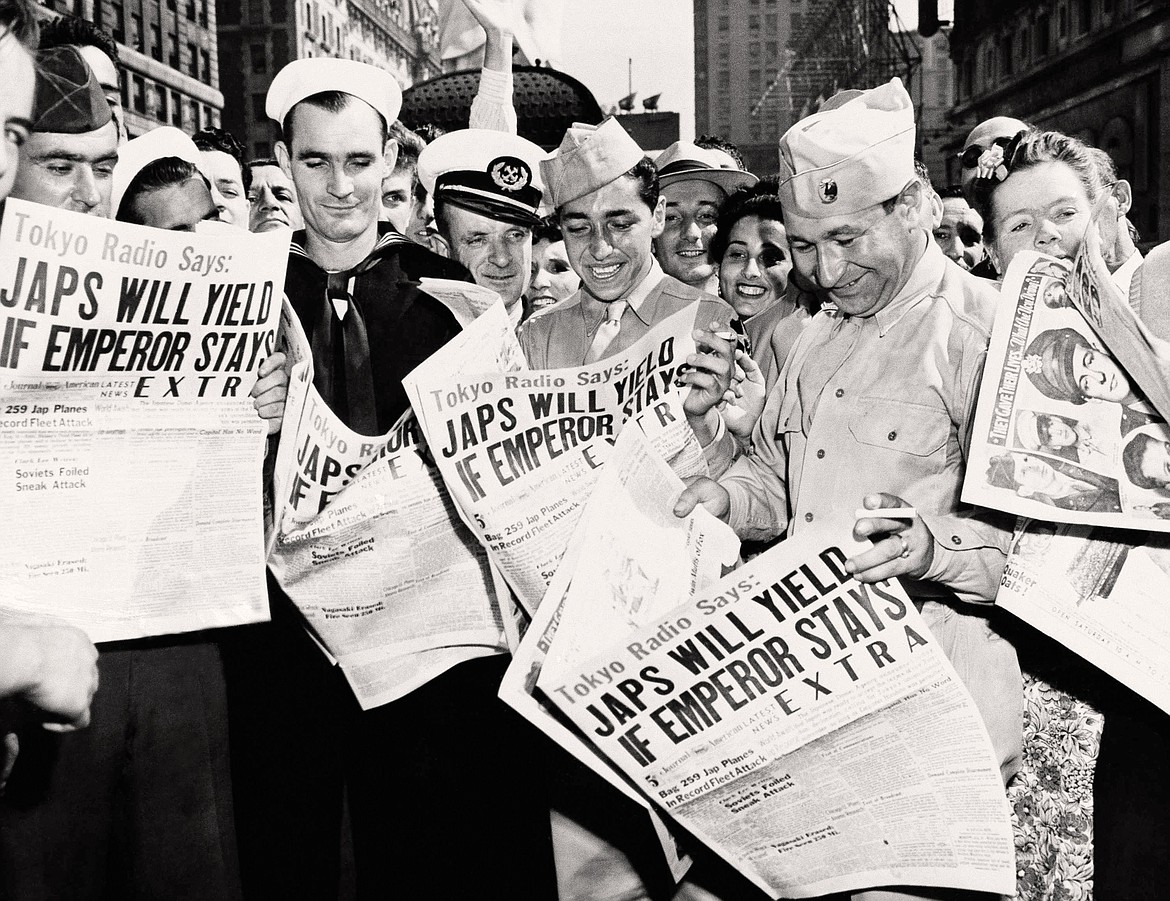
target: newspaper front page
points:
(132, 452)
(805, 727)
(369, 547)
(653, 561)
(1061, 430)
(521, 450)
(1103, 593)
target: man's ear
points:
(1123, 194)
(390, 156)
(658, 218)
(911, 202)
(284, 158)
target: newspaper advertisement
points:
(1103, 593)
(805, 727)
(133, 453)
(369, 547)
(1061, 431)
(653, 561)
(1141, 352)
(521, 450)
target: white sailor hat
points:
(683, 161)
(492, 173)
(302, 78)
(135, 155)
(590, 157)
(849, 156)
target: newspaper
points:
(1103, 593)
(521, 450)
(1061, 431)
(369, 547)
(132, 452)
(466, 300)
(653, 561)
(805, 727)
(1139, 350)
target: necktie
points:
(344, 375)
(606, 331)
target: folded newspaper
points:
(805, 727)
(1062, 432)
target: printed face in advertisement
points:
(1098, 375)
(609, 234)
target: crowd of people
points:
(843, 306)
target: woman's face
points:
(1060, 433)
(1043, 208)
(1034, 476)
(553, 279)
(1098, 375)
(753, 273)
(16, 104)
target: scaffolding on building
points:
(840, 44)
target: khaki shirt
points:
(560, 336)
(882, 403)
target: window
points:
(203, 13)
(259, 59)
(190, 10)
(196, 122)
(1042, 37)
(258, 107)
(205, 58)
(176, 109)
(160, 103)
(753, 23)
(1062, 22)
(139, 101)
(276, 10)
(1006, 63)
(770, 49)
(1083, 10)
(724, 54)
(724, 23)
(193, 56)
(174, 56)
(156, 42)
(724, 80)
(754, 50)
(770, 24)
(136, 32)
(97, 13)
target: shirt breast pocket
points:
(902, 428)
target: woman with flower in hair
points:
(1043, 193)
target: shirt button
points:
(892, 436)
(955, 539)
(840, 392)
(808, 517)
(820, 455)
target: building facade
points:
(931, 88)
(169, 56)
(740, 50)
(258, 37)
(1096, 69)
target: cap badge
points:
(510, 173)
(828, 190)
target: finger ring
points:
(905, 547)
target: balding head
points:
(984, 135)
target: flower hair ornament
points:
(995, 164)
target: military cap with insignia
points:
(492, 173)
(856, 152)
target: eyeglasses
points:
(969, 157)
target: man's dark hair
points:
(154, 176)
(1131, 459)
(218, 139)
(331, 102)
(548, 230)
(714, 142)
(70, 31)
(20, 20)
(410, 146)
(761, 199)
(428, 131)
(645, 173)
(264, 161)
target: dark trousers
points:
(1131, 801)
(138, 805)
(445, 786)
